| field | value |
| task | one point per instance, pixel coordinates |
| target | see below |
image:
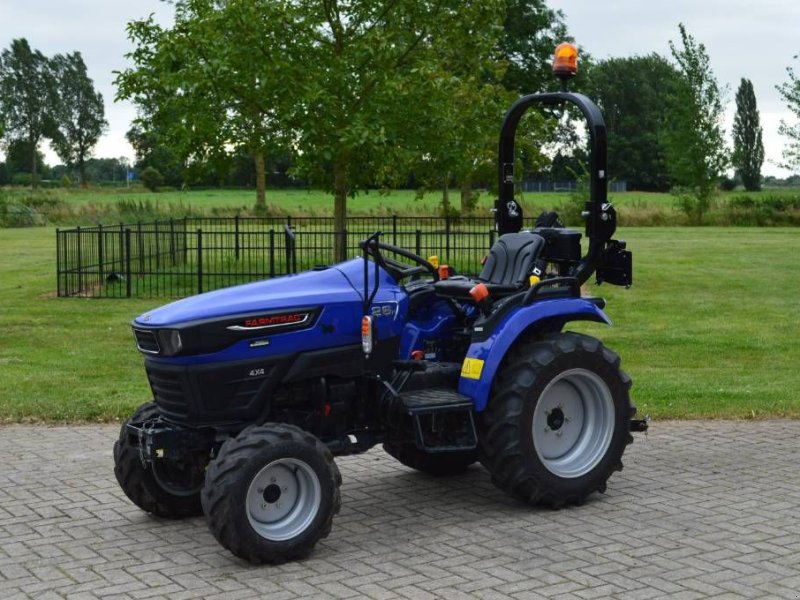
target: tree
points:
(459, 141)
(790, 91)
(633, 94)
(206, 97)
(152, 150)
(748, 147)
(151, 179)
(18, 157)
(79, 113)
(27, 96)
(373, 87)
(695, 151)
(342, 85)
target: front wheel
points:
(558, 420)
(271, 493)
(164, 488)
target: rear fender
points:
(484, 357)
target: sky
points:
(95, 28)
(744, 38)
(754, 39)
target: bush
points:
(693, 202)
(151, 178)
(764, 210)
(14, 214)
(65, 181)
(21, 179)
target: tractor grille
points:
(169, 392)
(146, 341)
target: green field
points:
(708, 330)
(69, 207)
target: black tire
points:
(441, 464)
(233, 483)
(143, 485)
(594, 389)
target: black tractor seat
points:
(506, 270)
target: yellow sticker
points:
(472, 367)
(434, 260)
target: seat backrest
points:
(511, 259)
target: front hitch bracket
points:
(161, 440)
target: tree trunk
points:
(261, 182)
(82, 172)
(340, 209)
(466, 195)
(34, 166)
(446, 194)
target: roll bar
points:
(600, 216)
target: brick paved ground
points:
(701, 510)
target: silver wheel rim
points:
(573, 423)
(283, 499)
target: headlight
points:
(170, 341)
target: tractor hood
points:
(311, 288)
(323, 306)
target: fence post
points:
(418, 245)
(272, 253)
(172, 240)
(80, 266)
(100, 252)
(185, 240)
(491, 237)
(394, 230)
(237, 237)
(121, 267)
(291, 249)
(447, 237)
(158, 247)
(58, 262)
(199, 261)
(140, 246)
(128, 261)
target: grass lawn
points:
(706, 331)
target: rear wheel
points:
(164, 488)
(439, 464)
(271, 493)
(558, 420)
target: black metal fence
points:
(180, 257)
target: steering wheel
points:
(398, 269)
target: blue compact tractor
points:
(256, 388)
